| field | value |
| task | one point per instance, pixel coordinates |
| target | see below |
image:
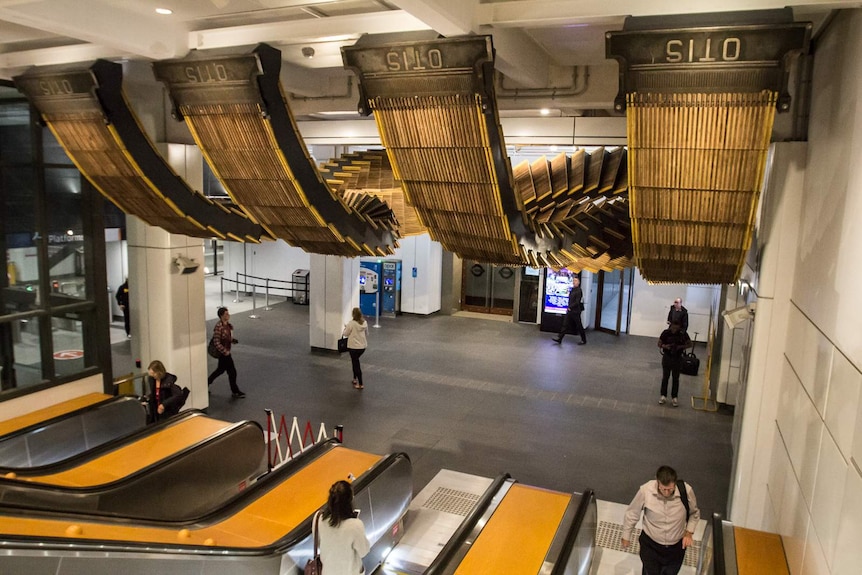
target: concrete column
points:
(168, 321)
(422, 293)
(334, 292)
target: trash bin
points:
(300, 287)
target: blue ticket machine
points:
(391, 297)
(369, 284)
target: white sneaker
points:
(674, 402)
(662, 400)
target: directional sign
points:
(69, 354)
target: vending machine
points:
(555, 299)
(369, 284)
(391, 300)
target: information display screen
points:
(557, 286)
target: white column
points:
(420, 294)
(168, 319)
(334, 292)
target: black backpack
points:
(683, 495)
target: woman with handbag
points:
(165, 397)
(356, 332)
(343, 543)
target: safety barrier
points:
(250, 281)
(277, 455)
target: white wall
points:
(422, 294)
(650, 304)
(274, 260)
(801, 440)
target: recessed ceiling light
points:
(164, 11)
(544, 111)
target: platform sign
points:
(557, 287)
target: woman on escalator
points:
(165, 396)
(343, 543)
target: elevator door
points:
(488, 288)
(613, 300)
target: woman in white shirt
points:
(342, 536)
(356, 332)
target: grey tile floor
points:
(483, 397)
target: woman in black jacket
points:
(165, 396)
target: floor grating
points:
(451, 501)
(609, 534)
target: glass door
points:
(488, 288)
(613, 300)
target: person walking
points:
(672, 342)
(670, 516)
(343, 542)
(165, 398)
(223, 339)
(573, 313)
(123, 301)
(356, 332)
(678, 313)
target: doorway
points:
(613, 300)
(487, 288)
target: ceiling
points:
(550, 53)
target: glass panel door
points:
(488, 288)
(613, 300)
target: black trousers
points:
(660, 559)
(355, 354)
(225, 364)
(670, 366)
(126, 315)
(573, 318)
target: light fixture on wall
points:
(308, 52)
(186, 265)
(736, 316)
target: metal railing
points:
(265, 284)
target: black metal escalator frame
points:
(134, 478)
(457, 540)
(99, 450)
(61, 417)
(720, 567)
(292, 538)
(561, 561)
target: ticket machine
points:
(369, 284)
(391, 297)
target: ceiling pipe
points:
(526, 93)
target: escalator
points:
(180, 486)
(264, 529)
(64, 430)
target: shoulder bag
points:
(212, 350)
(342, 345)
(314, 566)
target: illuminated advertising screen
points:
(557, 286)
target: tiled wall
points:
(814, 444)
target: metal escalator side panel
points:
(572, 550)
(183, 486)
(71, 433)
(46, 415)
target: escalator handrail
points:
(281, 545)
(560, 564)
(720, 567)
(457, 540)
(95, 489)
(64, 416)
(101, 449)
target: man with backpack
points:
(670, 516)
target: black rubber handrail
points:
(99, 450)
(457, 540)
(561, 562)
(720, 567)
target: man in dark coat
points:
(573, 313)
(672, 342)
(123, 302)
(679, 314)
